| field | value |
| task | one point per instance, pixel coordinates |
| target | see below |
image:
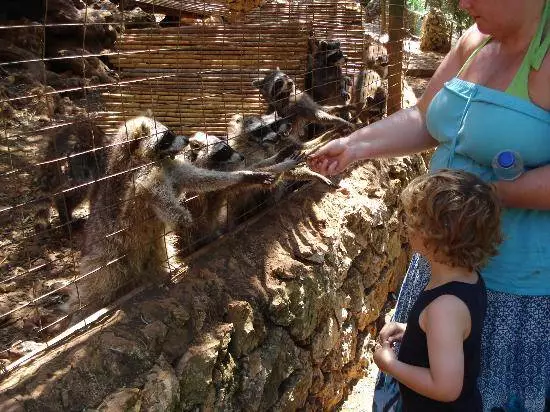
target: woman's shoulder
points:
(470, 40)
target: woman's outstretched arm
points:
(402, 133)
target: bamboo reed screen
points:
(195, 77)
(226, 8)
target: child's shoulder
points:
(446, 312)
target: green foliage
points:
(416, 5)
(461, 20)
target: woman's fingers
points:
(333, 167)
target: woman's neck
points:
(517, 40)
(442, 273)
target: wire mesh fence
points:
(132, 136)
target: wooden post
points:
(383, 16)
(395, 54)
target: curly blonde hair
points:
(457, 216)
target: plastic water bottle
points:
(507, 165)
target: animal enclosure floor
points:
(361, 397)
(418, 63)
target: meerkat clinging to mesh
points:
(136, 203)
(282, 96)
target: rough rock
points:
(253, 324)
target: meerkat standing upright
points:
(134, 205)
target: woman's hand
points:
(332, 158)
(392, 332)
(384, 356)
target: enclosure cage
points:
(73, 72)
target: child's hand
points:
(384, 356)
(392, 332)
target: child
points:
(453, 220)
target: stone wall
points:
(279, 316)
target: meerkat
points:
(73, 157)
(282, 96)
(136, 203)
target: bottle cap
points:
(506, 159)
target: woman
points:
(490, 93)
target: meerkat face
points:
(276, 85)
(211, 152)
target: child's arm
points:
(446, 323)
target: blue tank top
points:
(472, 123)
